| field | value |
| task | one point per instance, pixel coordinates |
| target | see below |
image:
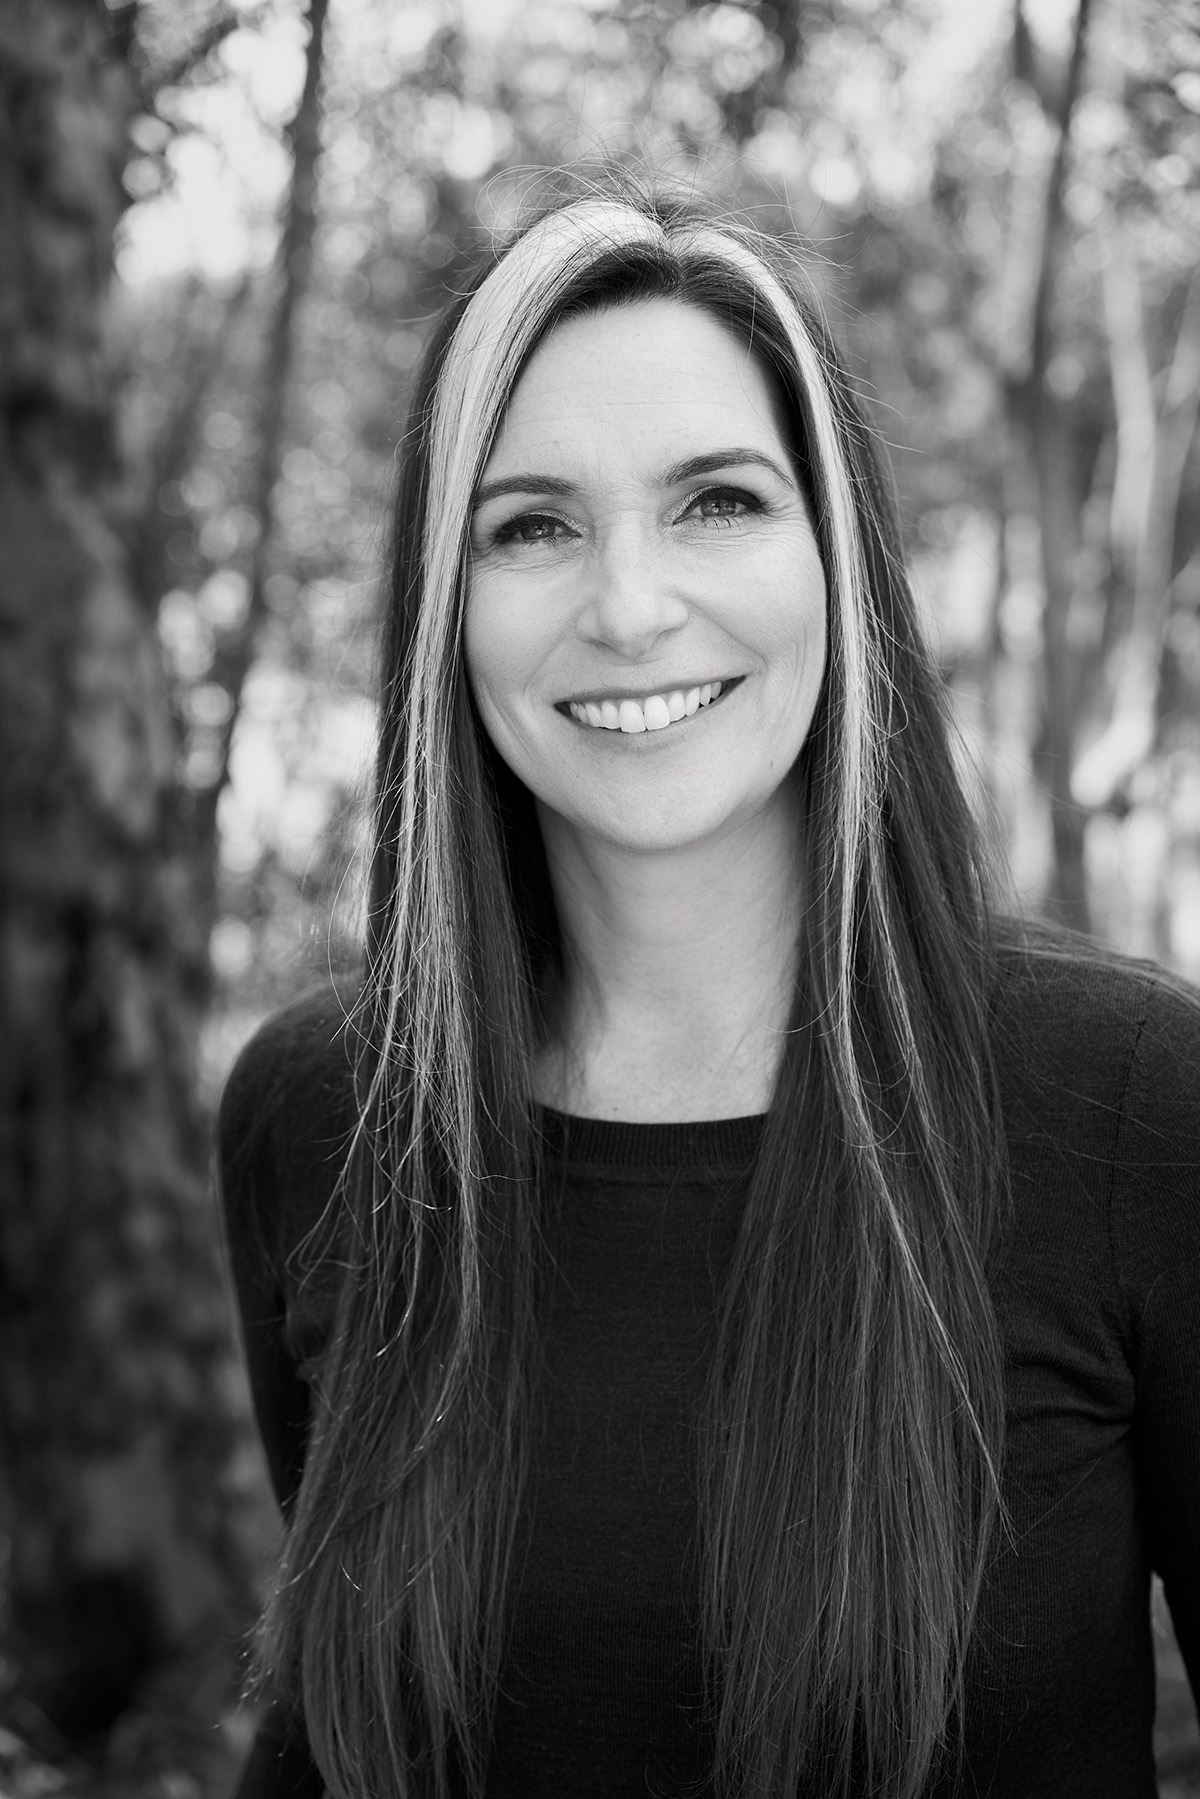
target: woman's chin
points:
(655, 824)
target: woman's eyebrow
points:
(527, 483)
(707, 464)
(714, 460)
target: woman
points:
(722, 1317)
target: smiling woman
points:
(712, 1330)
(668, 568)
(672, 552)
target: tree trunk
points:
(126, 1586)
(293, 264)
(1154, 440)
(1038, 412)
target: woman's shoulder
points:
(287, 1112)
(1079, 1029)
(296, 1067)
(1047, 975)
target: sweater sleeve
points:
(279, 1765)
(249, 1176)
(1157, 1240)
(282, 1127)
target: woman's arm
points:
(253, 1124)
(1156, 1218)
(283, 1122)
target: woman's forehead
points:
(654, 373)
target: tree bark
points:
(127, 1586)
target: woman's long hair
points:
(852, 1424)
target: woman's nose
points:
(633, 596)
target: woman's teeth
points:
(652, 714)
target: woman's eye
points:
(531, 527)
(723, 503)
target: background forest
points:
(223, 226)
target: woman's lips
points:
(649, 712)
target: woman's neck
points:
(680, 968)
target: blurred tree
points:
(1039, 417)
(127, 1580)
(235, 650)
(1149, 303)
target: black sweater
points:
(1097, 1288)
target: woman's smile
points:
(634, 714)
(644, 577)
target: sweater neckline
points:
(705, 1145)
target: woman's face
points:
(645, 625)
